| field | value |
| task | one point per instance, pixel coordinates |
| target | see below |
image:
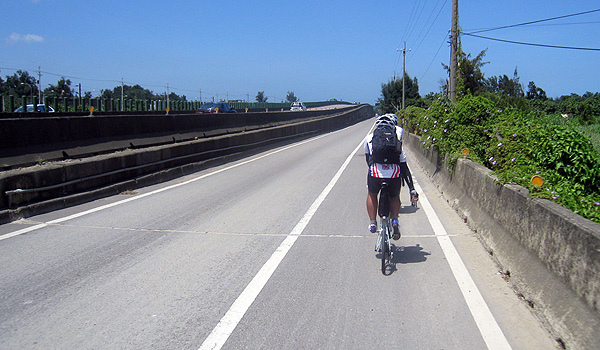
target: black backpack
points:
(385, 145)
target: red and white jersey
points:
(385, 171)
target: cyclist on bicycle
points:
(405, 171)
(379, 172)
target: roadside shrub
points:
(516, 145)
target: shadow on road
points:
(405, 255)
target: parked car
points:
(298, 106)
(216, 107)
(40, 108)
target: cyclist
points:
(405, 171)
(378, 173)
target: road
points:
(268, 252)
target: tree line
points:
(22, 83)
(507, 91)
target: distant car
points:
(40, 108)
(298, 106)
(216, 107)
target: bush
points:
(516, 144)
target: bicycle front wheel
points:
(385, 248)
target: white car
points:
(298, 106)
(40, 107)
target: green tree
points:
(391, 100)
(136, 92)
(260, 97)
(61, 89)
(504, 85)
(291, 97)
(535, 93)
(469, 78)
(20, 84)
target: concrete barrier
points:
(26, 139)
(32, 190)
(550, 254)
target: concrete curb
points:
(550, 254)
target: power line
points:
(434, 57)
(533, 44)
(432, 23)
(537, 21)
(427, 21)
(427, 24)
(417, 18)
(410, 17)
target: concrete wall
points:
(550, 254)
(59, 184)
(44, 134)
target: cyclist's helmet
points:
(386, 119)
(393, 117)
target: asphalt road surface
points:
(268, 252)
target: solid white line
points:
(22, 231)
(217, 338)
(488, 327)
(77, 215)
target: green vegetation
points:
(516, 133)
(518, 143)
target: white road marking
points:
(83, 213)
(488, 327)
(217, 338)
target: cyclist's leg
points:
(394, 192)
(373, 186)
(406, 176)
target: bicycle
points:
(384, 244)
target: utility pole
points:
(122, 94)
(403, 72)
(39, 85)
(200, 96)
(168, 93)
(453, 52)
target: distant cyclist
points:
(405, 171)
(383, 158)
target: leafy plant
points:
(516, 143)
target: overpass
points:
(549, 254)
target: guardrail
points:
(76, 104)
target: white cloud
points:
(28, 38)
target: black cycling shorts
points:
(374, 185)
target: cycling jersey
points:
(385, 171)
(400, 131)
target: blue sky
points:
(317, 49)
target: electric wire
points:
(533, 22)
(533, 44)
(436, 54)
(427, 33)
